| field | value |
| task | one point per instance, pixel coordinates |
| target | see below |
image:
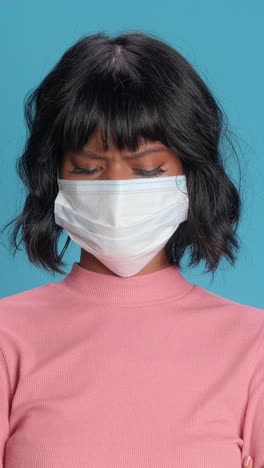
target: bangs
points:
(123, 111)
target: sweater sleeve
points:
(4, 406)
(254, 418)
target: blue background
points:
(223, 41)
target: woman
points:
(125, 363)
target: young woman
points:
(125, 363)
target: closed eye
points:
(153, 173)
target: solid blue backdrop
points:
(223, 41)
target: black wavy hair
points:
(128, 86)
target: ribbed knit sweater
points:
(146, 371)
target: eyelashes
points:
(154, 173)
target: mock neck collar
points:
(159, 286)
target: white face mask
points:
(123, 223)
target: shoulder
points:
(20, 313)
(26, 299)
(16, 313)
(205, 299)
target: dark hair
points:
(131, 86)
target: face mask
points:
(123, 223)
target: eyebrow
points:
(141, 154)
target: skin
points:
(114, 165)
(250, 463)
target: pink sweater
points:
(150, 371)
